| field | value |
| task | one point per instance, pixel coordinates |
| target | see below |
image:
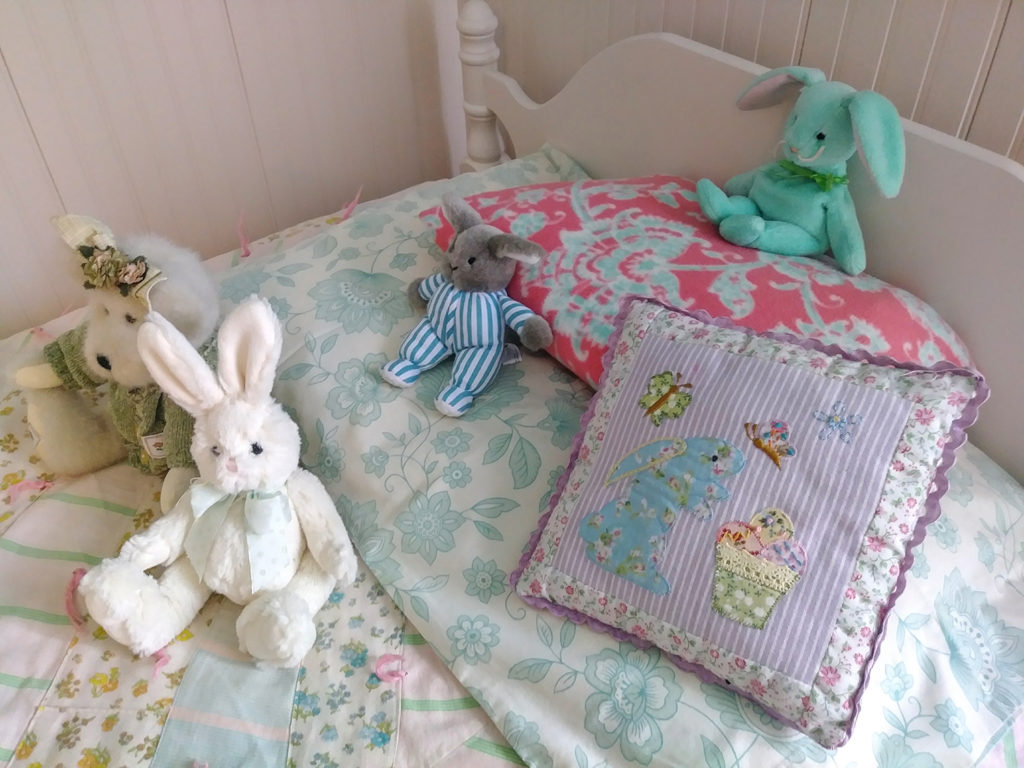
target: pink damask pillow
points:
(608, 239)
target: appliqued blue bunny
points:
(627, 536)
(468, 310)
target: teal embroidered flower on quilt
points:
(985, 654)
(329, 462)
(282, 307)
(892, 751)
(563, 419)
(944, 532)
(360, 390)
(361, 301)
(375, 544)
(242, 284)
(428, 524)
(950, 722)
(920, 568)
(375, 461)
(451, 442)
(524, 737)
(473, 638)
(369, 224)
(505, 391)
(484, 580)
(633, 693)
(745, 715)
(897, 681)
(960, 481)
(457, 474)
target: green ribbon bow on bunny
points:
(266, 515)
(825, 181)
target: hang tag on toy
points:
(511, 354)
(141, 291)
(154, 446)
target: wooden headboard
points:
(663, 103)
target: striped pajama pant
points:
(467, 324)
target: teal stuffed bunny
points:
(801, 205)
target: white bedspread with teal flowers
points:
(441, 510)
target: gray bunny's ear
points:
(459, 212)
(513, 247)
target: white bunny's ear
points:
(176, 366)
(248, 349)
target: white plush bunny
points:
(253, 527)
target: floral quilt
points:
(440, 511)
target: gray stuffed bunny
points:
(468, 310)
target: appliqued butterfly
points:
(774, 442)
(667, 397)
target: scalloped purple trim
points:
(940, 484)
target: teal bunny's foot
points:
(717, 205)
(851, 264)
(742, 230)
(779, 237)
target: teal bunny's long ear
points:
(879, 134)
(775, 86)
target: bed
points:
(443, 510)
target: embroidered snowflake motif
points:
(837, 422)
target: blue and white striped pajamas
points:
(467, 324)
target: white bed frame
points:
(663, 103)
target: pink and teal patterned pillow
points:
(748, 502)
(607, 239)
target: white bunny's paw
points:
(120, 597)
(277, 629)
(341, 563)
(145, 551)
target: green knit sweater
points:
(139, 413)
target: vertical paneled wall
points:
(954, 65)
(181, 116)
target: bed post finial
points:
(479, 54)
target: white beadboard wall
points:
(180, 116)
(954, 65)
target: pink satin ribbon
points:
(19, 489)
(390, 675)
(69, 598)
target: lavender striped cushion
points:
(748, 503)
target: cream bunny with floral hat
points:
(254, 526)
(125, 278)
